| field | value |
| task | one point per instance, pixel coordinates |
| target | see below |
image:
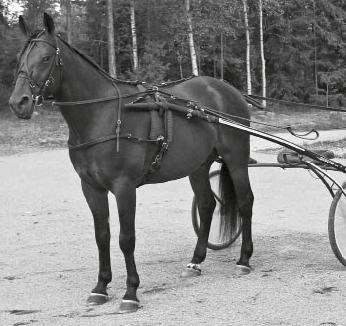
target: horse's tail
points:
(229, 213)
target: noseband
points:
(38, 88)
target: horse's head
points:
(38, 71)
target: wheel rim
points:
(339, 225)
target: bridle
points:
(38, 88)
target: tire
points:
(337, 225)
(214, 241)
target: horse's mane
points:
(97, 66)
(85, 57)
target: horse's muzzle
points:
(22, 107)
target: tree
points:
(11, 41)
(65, 6)
(248, 45)
(134, 36)
(110, 34)
(34, 9)
(152, 68)
(191, 42)
(300, 55)
(216, 25)
(313, 26)
(330, 18)
(264, 80)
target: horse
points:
(107, 152)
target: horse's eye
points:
(46, 58)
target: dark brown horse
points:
(49, 66)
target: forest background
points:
(287, 49)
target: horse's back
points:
(213, 93)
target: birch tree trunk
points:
(315, 48)
(221, 56)
(66, 11)
(264, 79)
(68, 22)
(214, 59)
(191, 42)
(247, 33)
(134, 36)
(110, 34)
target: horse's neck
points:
(82, 81)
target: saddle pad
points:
(156, 125)
(160, 128)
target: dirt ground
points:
(48, 256)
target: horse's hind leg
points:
(206, 204)
(239, 176)
(98, 202)
(245, 201)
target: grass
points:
(298, 119)
(45, 130)
(338, 147)
(303, 120)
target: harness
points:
(159, 103)
(161, 126)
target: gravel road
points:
(48, 256)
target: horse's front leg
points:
(125, 193)
(97, 200)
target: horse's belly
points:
(193, 142)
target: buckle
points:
(38, 100)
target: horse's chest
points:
(92, 172)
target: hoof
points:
(243, 270)
(191, 270)
(97, 299)
(128, 306)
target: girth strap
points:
(164, 139)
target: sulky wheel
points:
(337, 225)
(215, 241)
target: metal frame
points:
(330, 183)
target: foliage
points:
(151, 65)
(304, 42)
(9, 46)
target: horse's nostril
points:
(24, 100)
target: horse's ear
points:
(48, 23)
(23, 26)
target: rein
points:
(189, 102)
(311, 106)
(190, 106)
(100, 100)
(230, 116)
